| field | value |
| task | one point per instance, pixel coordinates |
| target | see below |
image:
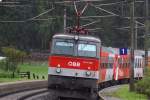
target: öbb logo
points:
(74, 64)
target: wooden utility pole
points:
(146, 32)
(132, 32)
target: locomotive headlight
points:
(89, 68)
(58, 65)
(58, 70)
(88, 73)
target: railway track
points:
(37, 94)
(24, 94)
(30, 91)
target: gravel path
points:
(104, 92)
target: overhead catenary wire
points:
(105, 16)
(87, 24)
(78, 1)
(90, 23)
(40, 14)
(107, 4)
(12, 21)
(104, 10)
(6, 2)
(30, 19)
(16, 5)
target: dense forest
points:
(30, 24)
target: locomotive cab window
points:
(63, 47)
(69, 45)
(87, 50)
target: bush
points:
(2, 64)
(14, 56)
(143, 86)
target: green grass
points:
(7, 77)
(2, 80)
(124, 94)
(38, 68)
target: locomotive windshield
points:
(63, 47)
(87, 50)
(73, 48)
(78, 46)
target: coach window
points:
(125, 62)
(140, 63)
(109, 65)
(109, 62)
(135, 63)
(122, 60)
(122, 63)
(103, 62)
(106, 61)
(106, 64)
(119, 62)
(128, 63)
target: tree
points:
(13, 57)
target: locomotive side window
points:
(87, 50)
(63, 47)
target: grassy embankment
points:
(38, 68)
(124, 94)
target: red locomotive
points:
(74, 64)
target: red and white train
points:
(79, 65)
